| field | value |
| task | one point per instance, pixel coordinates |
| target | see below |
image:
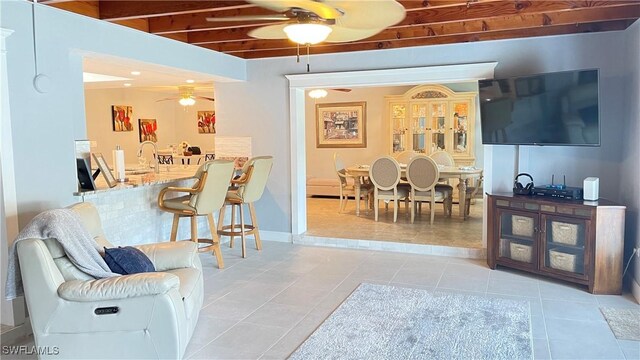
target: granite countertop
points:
(168, 174)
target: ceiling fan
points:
(186, 97)
(309, 22)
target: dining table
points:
(463, 173)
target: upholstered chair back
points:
(259, 168)
(91, 220)
(216, 175)
(385, 173)
(443, 158)
(422, 173)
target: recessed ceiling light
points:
(190, 81)
(127, 84)
(135, 73)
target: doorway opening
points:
(316, 216)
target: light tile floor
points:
(265, 306)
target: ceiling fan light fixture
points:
(317, 93)
(307, 34)
(187, 101)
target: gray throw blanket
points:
(65, 226)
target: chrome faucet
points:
(155, 153)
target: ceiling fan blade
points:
(165, 99)
(204, 98)
(343, 90)
(321, 9)
(275, 17)
(269, 32)
(368, 14)
(342, 34)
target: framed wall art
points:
(147, 129)
(121, 117)
(206, 122)
(341, 125)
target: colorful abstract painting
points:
(121, 116)
(206, 122)
(148, 128)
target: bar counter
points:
(129, 211)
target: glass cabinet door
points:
(517, 232)
(400, 125)
(461, 127)
(564, 245)
(419, 125)
(438, 126)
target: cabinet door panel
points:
(564, 242)
(461, 127)
(399, 124)
(438, 113)
(517, 232)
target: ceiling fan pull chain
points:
(298, 52)
(308, 69)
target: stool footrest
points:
(207, 248)
(237, 230)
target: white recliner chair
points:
(139, 316)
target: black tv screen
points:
(548, 109)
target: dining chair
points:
(165, 157)
(443, 158)
(209, 154)
(422, 174)
(246, 190)
(471, 193)
(206, 196)
(348, 188)
(385, 176)
(405, 156)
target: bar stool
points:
(206, 196)
(247, 189)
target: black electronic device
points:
(568, 192)
(523, 189)
(560, 108)
(85, 178)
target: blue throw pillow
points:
(127, 260)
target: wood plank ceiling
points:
(427, 22)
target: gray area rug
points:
(625, 323)
(387, 322)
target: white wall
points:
(630, 169)
(268, 110)
(175, 122)
(45, 125)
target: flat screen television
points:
(559, 108)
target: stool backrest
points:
(259, 169)
(216, 175)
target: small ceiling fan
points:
(309, 22)
(186, 97)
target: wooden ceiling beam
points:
(87, 7)
(112, 10)
(236, 39)
(481, 10)
(616, 25)
(455, 11)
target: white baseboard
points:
(635, 289)
(279, 236)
